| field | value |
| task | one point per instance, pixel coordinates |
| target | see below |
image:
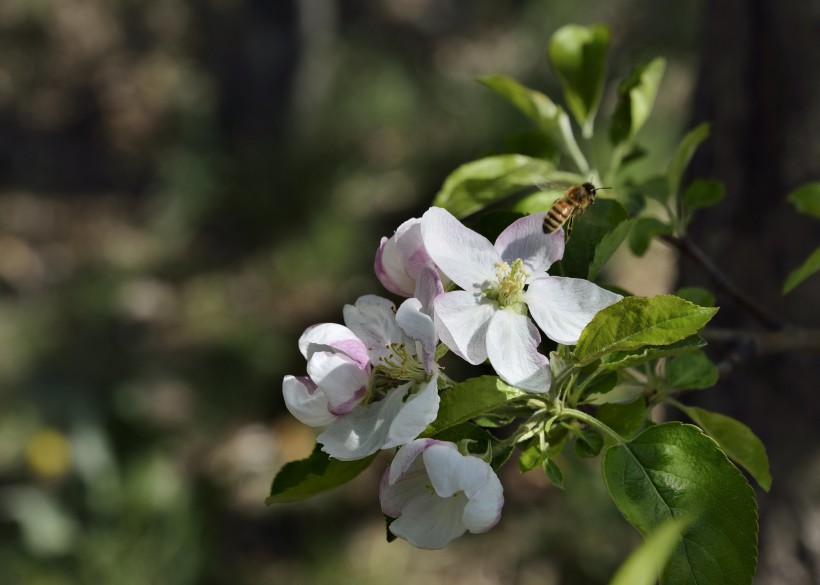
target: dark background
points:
(186, 185)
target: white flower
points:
(403, 266)
(373, 382)
(488, 319)
(436, 494)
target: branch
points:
(751, 344)
(729, 288)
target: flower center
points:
(511, 282)
(400, 364)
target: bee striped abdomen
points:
(557, 215)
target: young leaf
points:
(553, 473)
(737, 441)
(806, 199)
(578, 53)
(646, 562)
(481, 442)
(644, 229)
(802, 272)
(636, 97)
(691, 371)
(530, 458)
(686, 149)
(673, 469)
(303, 479)
(634, 322)
(469, 399)
(700, 194)
(475, 185)
(698, 295)
(588, 443)
(625, 359)
(607, 247)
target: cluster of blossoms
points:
(373, 383)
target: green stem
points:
(572, 146)
(594, 422)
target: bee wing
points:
(553, 185)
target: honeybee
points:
(574, 202)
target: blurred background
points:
(185, 185)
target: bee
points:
(574, 202)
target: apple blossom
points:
(405, 268)
(436, 494)
(372, 382)
(488, 319)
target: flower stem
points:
(594, 422)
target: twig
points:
(762, 314)
(746, 345)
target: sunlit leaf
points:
(634, 322)
(624, 359)
(646, 562)
(469, 399)
(636, 98)
(477, 184)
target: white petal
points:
(393, 420)
(373, 320)
(410, 476)
(562, 307)
(389, 270)
(339, 378)
(406, 457)
(466, 257)
(448, 471)
(525, 239)
(483, 511)
(462, 319)
(305, 402)
(419, 327)
(401, 257)
(417, 412)
(327, 336)
(430, 522)
(512, 346)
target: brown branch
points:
(729, 288)
(750, 344)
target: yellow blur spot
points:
(48, 454)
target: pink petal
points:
(340, 379)
(305, 403)
(331, 336)
(525, 239)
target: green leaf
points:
(806, 199)
(737, 441)
(533, 104)
(530, 457)
(700, 194)
(671, 470)
(686, 149)
(698, 295)
(587, 234)
(477, 184)
(634, 322)
(588, 443)
(691, 371)
(469, 399)
(625, 359)
(646, 562)
(801, 273)
(655, 188)
(624, 419)
(644, 229)
(553, 473)
(636, 98)
(602, 383)
(607, 246)
(578, 54)
(303, 479)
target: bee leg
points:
(570, 222)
